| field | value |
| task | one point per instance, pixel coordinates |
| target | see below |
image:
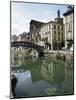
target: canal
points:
(42, 77)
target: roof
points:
(52, 22)
(35, 21)
(38, 23)
(68, 12)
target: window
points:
(58, 28)
(54, 26)
(62, 33)
(58, 36)
(54, 35)
(62, 28)
(49, 26)
(54, 38)
(69, 27)
(54, 32)
(34, 27)
(62, 38)
(58, 33)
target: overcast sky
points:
(22, 13)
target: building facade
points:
(69, 26)
(35, 27)
(51, 33)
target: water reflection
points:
(43, 77)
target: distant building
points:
(51, 33)
(14, 38)
(23, 37)
(35, 27)
(69, 26)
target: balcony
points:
(69, 39)
(69, 30)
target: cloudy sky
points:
(22, 13)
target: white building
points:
(69, 26)
(52, 33)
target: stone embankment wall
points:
(69, 56)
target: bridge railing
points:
(27, 44)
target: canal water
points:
(42, 77)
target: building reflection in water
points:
(69, 80)
(54, 72)
(51, 72)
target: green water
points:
(42, 77)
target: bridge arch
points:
(38, 48)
